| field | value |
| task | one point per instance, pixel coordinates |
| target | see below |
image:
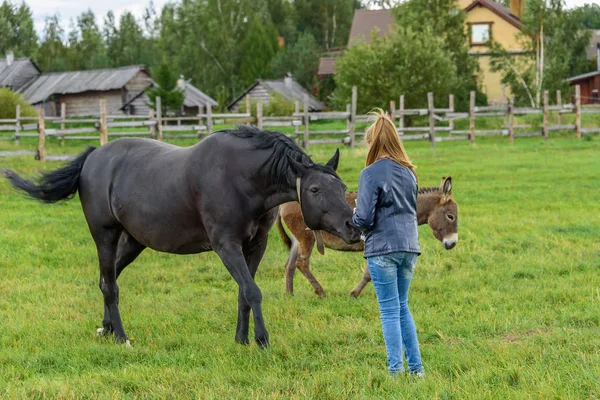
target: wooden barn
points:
(287, 88)
(81, 91)
(590, 87)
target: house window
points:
(595, 96)
(480, 33)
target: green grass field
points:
(512, 312)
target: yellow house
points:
(486, 20)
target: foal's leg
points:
(363, 282)
(253, 256)
(127, 251)
(232, 256)
(303, 264)
(290, 268)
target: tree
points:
(258, 48)
(556, 49)
(301, 59)
(86, 46)
(171, 95)
(588, 15)
(17, 33)
(52, 54)
(329, 21)
(406, 62)
(126, 45)
(446, 20)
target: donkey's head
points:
(321, 194)
(443, 216)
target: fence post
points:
(451, 107)
(545, 120)
(259, 115)
(504, 103)
(559, 104)
(151, 126)
(305, 142)
(17, 124)
(103, 121)
(401, 122)
(296, 127)
(472, 118)
(431, 119)
(248, 108)
(353, 117)
(63, 116)
(209, 120)
(393, 111)
(578, 111)
(511, 120)
(42, 135)
(159, 128)
(348, 122)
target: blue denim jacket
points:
(386, 209)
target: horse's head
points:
(321, 194)
(443, 219)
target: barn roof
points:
(47, 85)
(366, 20)
(326, 66)
(9, 74)
(195, 97)
(583, 76)
(292, 91)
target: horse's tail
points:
(283, 233)
(53, 186)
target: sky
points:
(72, 8)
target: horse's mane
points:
(426, 190)
(277, 166)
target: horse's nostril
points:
(449, 245)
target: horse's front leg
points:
(249, 294)
(253, 255)
(366, 278)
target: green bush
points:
(278, 106)
(8, 105)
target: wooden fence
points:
(162, 127)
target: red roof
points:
(366, 20)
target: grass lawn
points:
(512, 312)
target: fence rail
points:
(159, 127)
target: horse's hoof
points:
(244, 341)
(320, 293)
(263, 343)
(354, 293)
(102, 332)
(128, 344)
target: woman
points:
(386, 212)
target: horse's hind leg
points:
(127, 251)
(363, 282)
(107, 241)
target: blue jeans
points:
(391, 275)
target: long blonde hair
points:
(383, 139)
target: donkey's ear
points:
(299, 168)
(335, 160)
(443, 180)
(447, 186)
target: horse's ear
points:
(443, 180)
(447, 187)
(299, 168)
(335, 160)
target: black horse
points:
(220, 194)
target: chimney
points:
(10, 57)
(288, 80)
(516, 8)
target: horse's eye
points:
(314, 189)
(450, 217)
